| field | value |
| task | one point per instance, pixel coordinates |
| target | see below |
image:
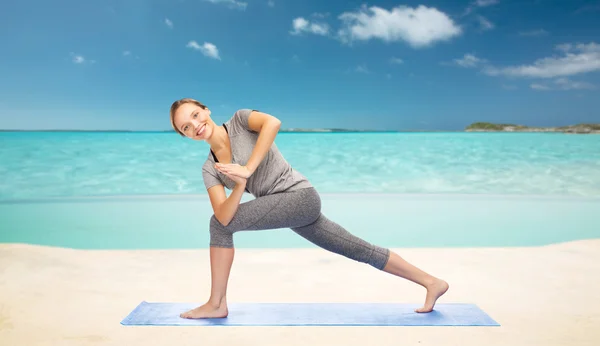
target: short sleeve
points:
(209, 175)
(241, 117)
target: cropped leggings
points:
(299, 210)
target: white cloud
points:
(485, 23)
(128, 53)
(271, 3)
(562, 84)
(301, 25)
(484, 3)
(396, 61)
(208, 49)
(469, 60)
(80, 59)
(566, 84)
(193, 45)
(168, 22)
(588, 8)
(419, 27)
(565, 47)
(233, 4)
(578, 58)
(479, 3)
(361, 69)
(587, 48)
(537, 86)
(533, 33)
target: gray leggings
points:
(299, 210)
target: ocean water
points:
(68, 164)
(390, 220)
(145, 190)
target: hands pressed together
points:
(239, 174)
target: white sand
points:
(541, 296)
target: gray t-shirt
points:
(274, 174)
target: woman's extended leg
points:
(333, 237)
(435, 287)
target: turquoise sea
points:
(59, 164)
(145, 189)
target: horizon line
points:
(473, 127)
(167, 131)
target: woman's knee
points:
(314, 207)
(214, 222)
(220, 236)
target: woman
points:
(244, 158)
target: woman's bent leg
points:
(282, 210)
(221, 260)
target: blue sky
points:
(382, 65)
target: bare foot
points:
(207, 310)
(434, 291)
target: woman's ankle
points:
(217, 302)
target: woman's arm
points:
(267, 127)
(226, 209)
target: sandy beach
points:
(55, 296)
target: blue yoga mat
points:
(312, 314)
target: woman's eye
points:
(195, 115)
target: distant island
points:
(491, 127)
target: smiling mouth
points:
(201, 130)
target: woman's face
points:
(193, 121)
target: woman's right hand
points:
(237, 179)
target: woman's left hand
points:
(235, 169)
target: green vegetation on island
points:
(491, 127)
